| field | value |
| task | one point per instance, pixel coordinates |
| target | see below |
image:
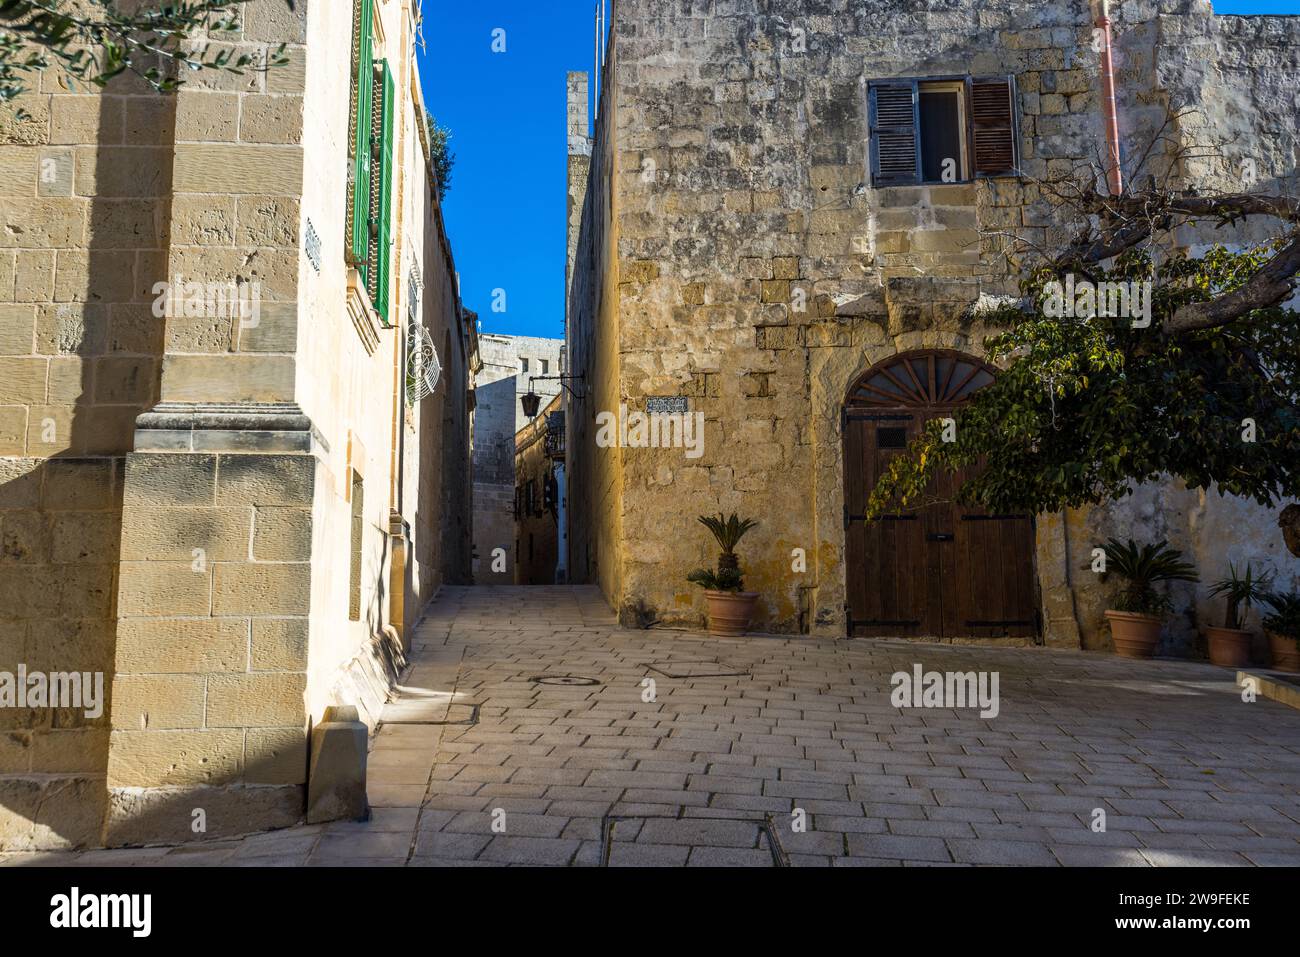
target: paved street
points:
(738, 735)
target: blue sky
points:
(1256, 6)
(506, 208)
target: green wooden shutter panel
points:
(895, 157)
(381, 191)
(360, 133)
(993, 125)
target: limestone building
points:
(508, 365)
(780, 219)
(234, 422)
(539, 498)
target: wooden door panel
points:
(940, 571)
(888, 591)
(997, 597)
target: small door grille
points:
(891, 438)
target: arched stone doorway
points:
(938, 570)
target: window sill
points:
(939, 184)
(362, 313)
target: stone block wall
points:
(85, 184)
(213, 538)
(212, 644)
(241, 138)
(175, 510)
(594, 330)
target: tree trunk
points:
(1290, 524)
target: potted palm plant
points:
(1283, 629)
(1139, 609)
(730, 606)
(1230, 645)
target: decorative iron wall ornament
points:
(422, 366)
(311, 243)
(414, 283)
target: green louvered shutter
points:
(363, 74)
(381, 190)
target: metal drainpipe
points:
(1110, 113)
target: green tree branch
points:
(96, 41)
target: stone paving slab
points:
(480, 765)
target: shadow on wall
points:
(455, 498)
(102, 209)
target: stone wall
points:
(85, 181)
(214, 582)
(183, 520)
(504, 357)
(759, 273)
(595, 490)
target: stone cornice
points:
(226, 427)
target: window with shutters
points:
(370, 168)
(379, 276)
(359, 127)
(942, 129)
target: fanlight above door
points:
(930, 379)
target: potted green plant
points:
(1139, 609)
(1230, 645)
(1283, 629)
(730, 607)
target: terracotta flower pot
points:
(730, 612)
(1286, 652)
(1229, 647)
(1135, 636)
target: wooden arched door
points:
(938, 570)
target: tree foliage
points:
(442, 157)
(94, 41)
(1087, 407)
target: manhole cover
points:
(564, 680)
(696, 669)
